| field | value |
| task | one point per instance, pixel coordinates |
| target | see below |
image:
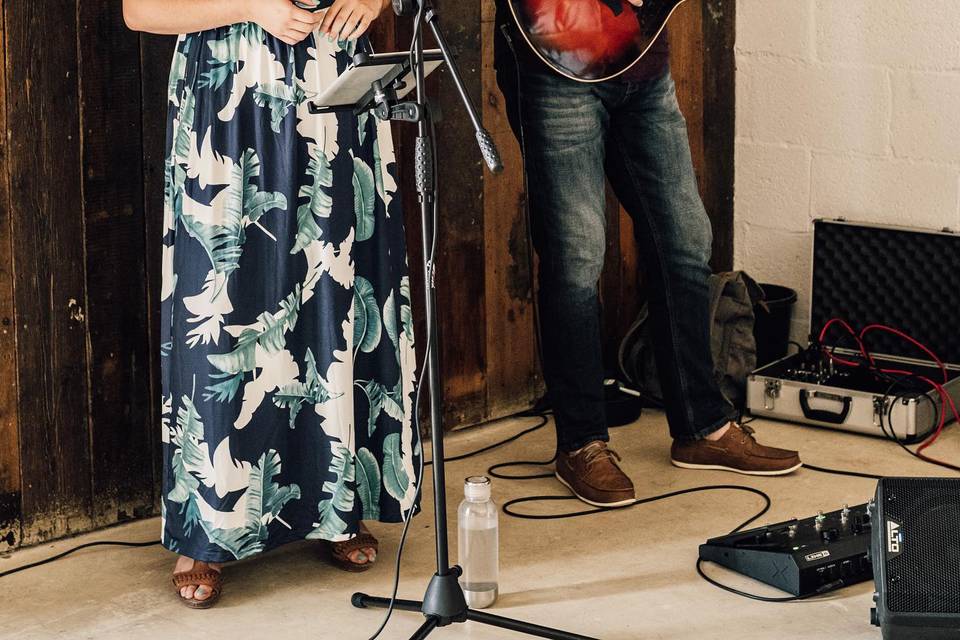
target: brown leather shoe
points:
(591, 472)
(736, 451)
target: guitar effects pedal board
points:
(802, 557)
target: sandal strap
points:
(363, 540)
(208, 578)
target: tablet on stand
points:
(374, 79)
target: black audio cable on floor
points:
(113, 543)
(507, 508)
(493, 471)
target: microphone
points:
(488, 149)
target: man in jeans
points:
(631, 130)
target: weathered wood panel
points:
(44, 162)
(461, 285)
(687, 63)
(719, 107)
(513, 380)
(461, 281)
(10, 498)
(110, 115)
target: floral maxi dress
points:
(287, 352)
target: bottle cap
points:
(477, 488)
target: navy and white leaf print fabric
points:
(288, 363)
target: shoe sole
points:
(720, 467)
(621, 503)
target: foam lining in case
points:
(905, 278)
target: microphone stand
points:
(444, 603)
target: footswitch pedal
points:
(816, 554)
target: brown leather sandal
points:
(340, 551)
(207, 577)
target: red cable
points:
(845, 325)
(911, 340)
(944, 396)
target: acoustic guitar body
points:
(591, 40)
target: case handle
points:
(822, 415)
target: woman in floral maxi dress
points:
(287, 340)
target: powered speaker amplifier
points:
(916, 558)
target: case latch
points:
(881, 405)
(771, 391)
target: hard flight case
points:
(908, 279)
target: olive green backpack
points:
(733, 295)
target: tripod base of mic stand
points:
(444, 605)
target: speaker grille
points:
(925, 576)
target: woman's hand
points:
(350, 19)
(283, 19)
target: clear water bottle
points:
(478, 543)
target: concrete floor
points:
(617, 576)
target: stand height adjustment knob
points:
(405, 7)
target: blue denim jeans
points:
(573, 135)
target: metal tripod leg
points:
(522, 627)
(363, 601)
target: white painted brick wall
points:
(844, 108)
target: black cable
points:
(517, 436)
(836, 584)
(842, 472)
(492, 471)
(910, 394)
(113, 543)
(637, 502)
(430, 346)
(640, 501)
(867, 363)
(916, 395)
(820, 591)
(507, 508)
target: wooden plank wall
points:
(81, 198)
(76, 438)
(45, 198)
(10, 496)
(113, 211)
